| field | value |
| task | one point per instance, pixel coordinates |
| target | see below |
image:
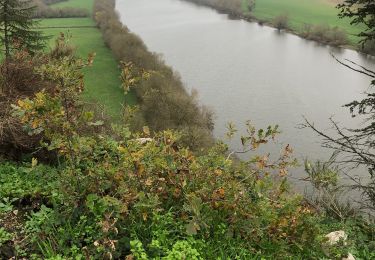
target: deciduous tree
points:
(362, 12)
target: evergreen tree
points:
(17, 28)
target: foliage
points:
(45, 11)
(26, 182)
(327, 195)
(18, 79)
(163, 100)
(4, 236)
(18, 76)
(322, 174)
(303, 17)
(102, 79)
(354, 148)
(362, 12)
(369, 46)
(27, 78)
(306, 12)
(233, 7)
(116, 195)
(123, 194)
(325, 34)
(62, 47)
(281, 22)
(49, 2)
(115, 189)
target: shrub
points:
(325, 34)
(115, 183)
(233, 7)
(21, 78)
(45, 11)
(50, 2)
(281, 22)
(368, 47)
(62, 48)
(18, 79)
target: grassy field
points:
(301, 12)
(86, 4)
(103, 84)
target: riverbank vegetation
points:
(155, 185)
(162, 100)
(322, 13)
(315, 20)
(233, 7)
(45, 10)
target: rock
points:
(144, 140)
(336, 236)
(349, 257)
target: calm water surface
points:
(244, 71)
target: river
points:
(245, 71)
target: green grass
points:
(303, 12)
(103, 85)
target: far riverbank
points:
(322, 25)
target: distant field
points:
(302, 12)
(102, 79)
(87, 4)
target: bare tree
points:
(355, 148)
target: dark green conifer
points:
(18, 28)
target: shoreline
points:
(252, 19)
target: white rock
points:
(144, 140)
(336, 236)
(333, 238)
(349, 257)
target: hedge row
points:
(163, 100)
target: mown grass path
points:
(103, 85)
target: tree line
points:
(44, 10)
(237, 8)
